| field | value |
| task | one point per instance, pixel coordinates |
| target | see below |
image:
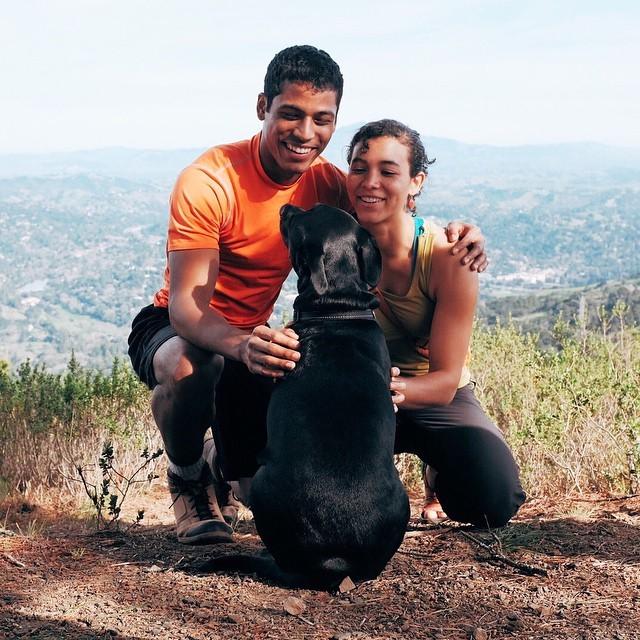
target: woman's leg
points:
(477, 478)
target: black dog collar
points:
(360, 314)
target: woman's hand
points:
(470, 242)
(397, 387)
(270, 352)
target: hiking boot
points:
(229, 503)
(198, 517)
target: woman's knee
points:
(484, 504)
(497, 511)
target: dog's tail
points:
(327, 575)
(261, 564)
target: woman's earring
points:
(411, 204)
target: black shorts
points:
(150, 329)
(241, 398)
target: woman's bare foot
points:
(432, 510)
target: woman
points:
(427, 302)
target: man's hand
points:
(470, 242)
(397, 388)
(270, 352)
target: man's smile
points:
(298, 150)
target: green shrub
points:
(52, 423)
(571, 412)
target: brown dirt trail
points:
(566, 569)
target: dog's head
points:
(335, 258)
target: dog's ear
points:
(369, 258)
(318, 274)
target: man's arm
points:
(194, 272)
(469, 242)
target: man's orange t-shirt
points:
(225, 201)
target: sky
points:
(84, 74)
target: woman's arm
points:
(454, 287)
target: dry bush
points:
(571, 414)
(52, 424)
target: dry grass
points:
(571, 416)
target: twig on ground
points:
(608, 499)
(500, 557)
(16, 563)
(414, 554)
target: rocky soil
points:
(563, 569)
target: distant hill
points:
(146, 164)
(83, 246)
(455, 160)
(525, 164)
(537, 312)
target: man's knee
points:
(179, 363)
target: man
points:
(203, 346)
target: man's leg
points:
(477, 478)
(182, 405)
(240, 425)
(231, 495)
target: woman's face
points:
(379, 179)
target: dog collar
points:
(360, 314)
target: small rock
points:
(294, 606)
(154, 568)
(346, 585)
(480, 634)
(514, 622)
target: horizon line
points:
(628, 147)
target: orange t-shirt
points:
(225, 201)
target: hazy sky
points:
(78, 74)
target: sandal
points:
(432, 510)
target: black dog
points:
(327, 500)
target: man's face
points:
(297, 128)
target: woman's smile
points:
(379, 180)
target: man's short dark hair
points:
(302, 63)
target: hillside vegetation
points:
(86, 247)
(571, 413)
(593, 307)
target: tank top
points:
(414, 312)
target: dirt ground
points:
(561, 569)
